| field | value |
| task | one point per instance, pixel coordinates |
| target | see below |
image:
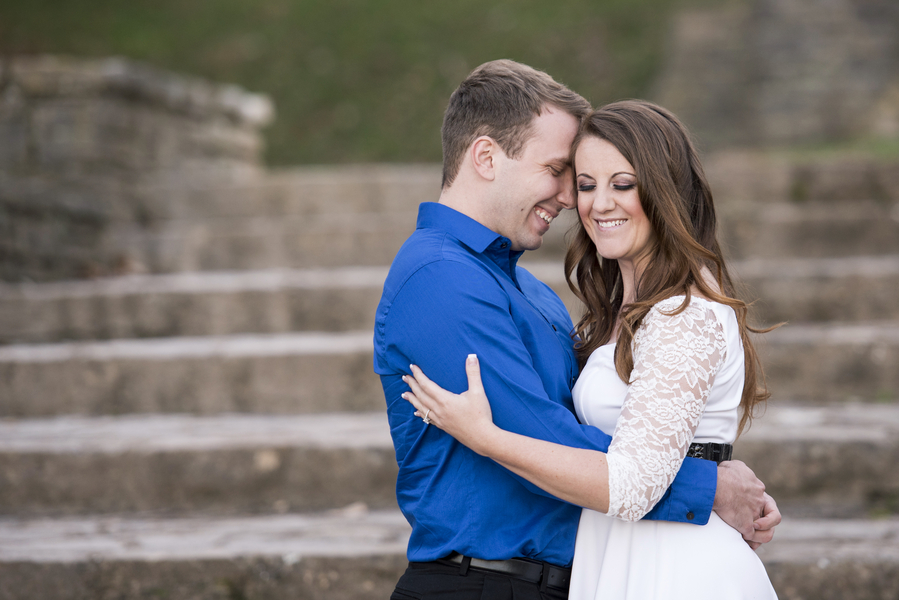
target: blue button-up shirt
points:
(455, 289)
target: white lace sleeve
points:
(675, 362)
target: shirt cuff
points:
(692, 495)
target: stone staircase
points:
(213, 428)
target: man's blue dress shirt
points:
(454, 289)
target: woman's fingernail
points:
(473, 357)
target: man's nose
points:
(567, 196)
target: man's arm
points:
(445, 323)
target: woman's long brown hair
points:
(677, 200)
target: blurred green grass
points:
(356, 80)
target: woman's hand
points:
(466, 417)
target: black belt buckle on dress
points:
(717, 453)
(519, 568)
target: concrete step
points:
(855, 228)
(265, 242)
(833, 461)
(833, 362)
(319, 371)
(834, 559)
(353, 554)
(339, 555)
(860, 228)
(191, 304)
(178, 464)
(774, 177)
(301, 191)
(265, 373)
(801, 290)
(856, 288)
(344, 299)
(753, 230)
(822, 461)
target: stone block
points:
(191, 304)
(279, 373)
(837, 461)
(343, 555)
(228, 464)
(834, 362)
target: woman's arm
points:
(676, 358)
(576, 475)
(675, 362)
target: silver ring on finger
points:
(425, 418)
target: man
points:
(454, 289)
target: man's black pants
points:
(435, 580)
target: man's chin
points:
(531, 245)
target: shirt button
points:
(503, 245)
(690, 516)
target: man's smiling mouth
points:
(543, 214)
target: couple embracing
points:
(513, 486)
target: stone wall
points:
(87, 145)
(783, 72)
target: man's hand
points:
(764, 525)
(741, 502)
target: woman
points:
(666, 362)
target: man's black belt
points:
(519, 568)
(711, 451)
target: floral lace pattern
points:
(676, 358)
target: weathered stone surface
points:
(833, 362)
(833, 461)
(820, 290)
(347, 555)
(342, 299)
(860, 228)
(278, 373)
(796, 290)
(85, 142)
(181, 464)
(784, 71)
(308, 191)
(192, 304)
(834, 559)
(350, 556)
(290, 241)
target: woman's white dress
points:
(687, 382)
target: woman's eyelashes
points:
(589, 186)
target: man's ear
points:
(484, 153)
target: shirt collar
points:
(432, 215)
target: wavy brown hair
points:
(677, 200)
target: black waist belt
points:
(711, 451)
(519, 568)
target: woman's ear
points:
(484, 153)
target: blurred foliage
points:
(355, 80)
